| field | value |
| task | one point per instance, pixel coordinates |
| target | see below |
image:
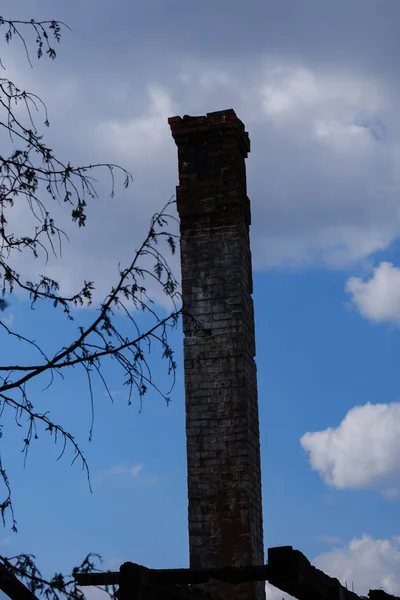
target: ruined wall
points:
(224, 482)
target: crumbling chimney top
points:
(224, 121)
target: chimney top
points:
(223, 121)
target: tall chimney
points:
(222, 428)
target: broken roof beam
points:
(181, 576)
(287, 569)
(291, 572)
(13, 587)
(381, 595)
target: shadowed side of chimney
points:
(223, 449)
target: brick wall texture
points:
(223, 448)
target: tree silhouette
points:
(33, 174)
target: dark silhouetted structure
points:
(222, 429)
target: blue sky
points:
(317, 86)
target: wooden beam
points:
(381, 595)
(287, 569)
(13, 587)
(182, 576)
(290, 571)
(108, 578)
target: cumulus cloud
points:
(326, 198)
(377, 298)
(322, 175)
(362, 452)
(365, 562)
(138, 137)
(290, 88)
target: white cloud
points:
(273, 593)
(212, 77)
(321, 183)
(288, 89)
(138, 137)
(378, 298)
(343, 137)
(123, 470)
(362, 452)
(322, 174)
(326, 196)
(366, 562)
(131, 471)
(330, 539)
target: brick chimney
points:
(222, 428)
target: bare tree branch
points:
(33, 174)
